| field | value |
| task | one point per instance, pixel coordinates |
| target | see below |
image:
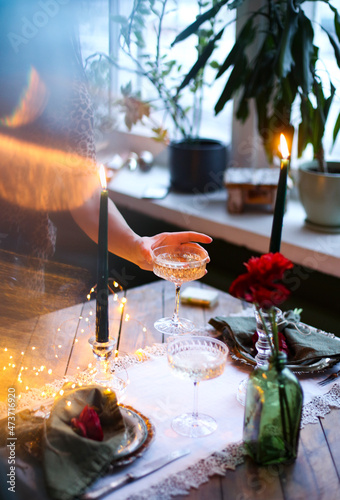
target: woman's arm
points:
(122, 240)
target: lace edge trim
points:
(195, 475)
(320, 406)
(230, 457)
(199, 473)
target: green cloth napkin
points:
(307, 347)
(71, 462)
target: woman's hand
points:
(147, 243)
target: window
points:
(324, 17)
(94, 27)
(98, 34)
(95, 33)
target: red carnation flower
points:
(260, 285)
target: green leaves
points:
(303, 53)
(238, 60)
(305, 129)
(281, 71)
(336, 46)
(336, 21)
(233, 83)
(245, 38)
(314, 118)
(336, 129)
(201, 61)
(272, 64)
(192, 28)
(285, 57)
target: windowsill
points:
(207, 213)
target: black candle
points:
(275, 239)
(102, 312)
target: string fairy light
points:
(26, 373)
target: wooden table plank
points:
(81, 354)
(14, 340)
(330, 426)
(226, 305)
(144, 305)
(313, 474)
(207, 491)
(49, 347)
(250, 482)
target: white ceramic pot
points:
(320, 194)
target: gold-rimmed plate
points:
(138, 436)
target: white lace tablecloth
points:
(154, 391)
(158, 394)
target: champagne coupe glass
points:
(196, 358)
(178, 263)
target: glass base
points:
(112, 382)
(242, 391)
(191, 426)
(169, 327)
(103, 373)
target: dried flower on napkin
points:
(71, 462)
(88, 424)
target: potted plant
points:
(282, 72)
(195, 163)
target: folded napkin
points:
(72, 462)
(29, 430)
(307, 346)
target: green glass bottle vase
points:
(273, 413)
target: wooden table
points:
(58, 342)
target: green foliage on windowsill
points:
(282, 71)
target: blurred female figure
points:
(46, 132)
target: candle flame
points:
(102, 176)
(283, 148)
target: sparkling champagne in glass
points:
(179, 264)
(196, 358)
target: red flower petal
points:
(89, 417)
(78, 427)
(260, 284)
(283, 344)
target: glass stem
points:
(195, 410)
(175, 315)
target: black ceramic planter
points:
(197, 165)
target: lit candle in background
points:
(275, 239)
(102, 304)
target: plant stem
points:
(265, 328)
(195, 410)
(175, 314)
(320, 157)
(282, 399)
(274, 330)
